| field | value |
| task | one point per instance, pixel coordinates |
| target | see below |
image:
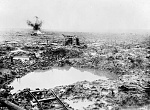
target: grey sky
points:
(77, 15)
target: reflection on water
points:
(100, 73)
(22, 58)
(5, 71)
(18, 50)
(80, 104)
(54, 77)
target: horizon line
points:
(102, 31)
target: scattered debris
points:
(129, 61)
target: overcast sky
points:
(77, 15)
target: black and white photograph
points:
(74, 54)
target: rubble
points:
(129, 61)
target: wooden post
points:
(40, 106)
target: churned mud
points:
(125, 86)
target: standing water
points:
(54, 77)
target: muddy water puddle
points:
(22, 58)
(5, 71)
(79, 104)
(55, 77)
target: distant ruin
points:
(71, 40)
